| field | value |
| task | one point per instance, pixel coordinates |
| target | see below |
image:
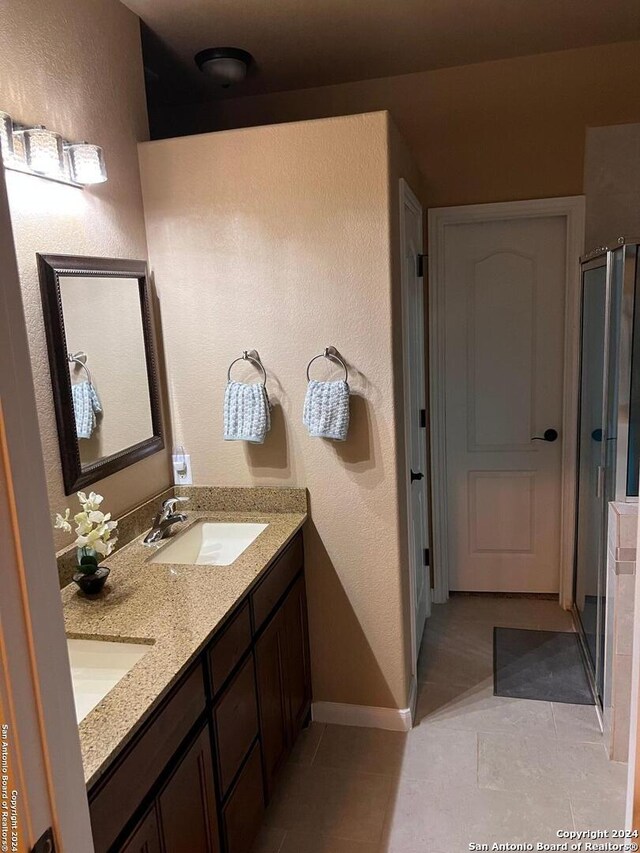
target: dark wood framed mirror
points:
(106, 391)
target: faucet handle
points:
(170, 503)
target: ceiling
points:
(302, 43)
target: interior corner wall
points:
(277, 238)
(77, 68)
(495, 131)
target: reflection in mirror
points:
(110, 390)
(105, 387)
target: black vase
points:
(92, 584)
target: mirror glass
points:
(104, 338)
(98, 321)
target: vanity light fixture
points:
(86, 163)
(44, 153)
(6, 136)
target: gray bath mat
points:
(546, 665)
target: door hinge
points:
(423, 418)
(420, 259)
(426, 556)
(45, 844)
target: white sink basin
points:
(97, 666)
(210, 543)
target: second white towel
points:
(326, 409)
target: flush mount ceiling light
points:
(44, 153)
(224, 65)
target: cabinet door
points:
(298, 674)
(244, 810)
(271, 656)
(145, 837)
(187, 806)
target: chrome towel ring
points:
(252, 356)
(80, 359)
(332, 354)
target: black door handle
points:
(549, 435)
(418, 476)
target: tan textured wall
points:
(496, 131)
(612, 184)
(77, 68)
(278, 238)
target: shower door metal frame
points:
(606, 258)
(601, 259)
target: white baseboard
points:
(366, 716)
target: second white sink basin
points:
(210, 543)
(97, 666)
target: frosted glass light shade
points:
(43, 151)
(6, 136)
(86, 163)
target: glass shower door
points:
(589, 579)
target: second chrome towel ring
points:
(254, 358)
(333, 355)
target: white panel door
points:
(415, 409)
(504, 314)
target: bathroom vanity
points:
(184, 752)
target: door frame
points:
(409, 199)
(572, 208)
(35, 680)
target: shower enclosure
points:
(608, 431)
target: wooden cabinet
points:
(197, 775)
(187, 805)
(244, 811)
(284, 685)
(145, 838)
(236, 724)
(271, 666)
(298, 663)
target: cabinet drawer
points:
(280, 575)
(236, 723)
(118, 798)
(244, 812)
(229, 649)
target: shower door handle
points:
(600, 481)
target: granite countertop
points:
(173, 608)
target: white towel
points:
(85, 406)
(246, 412)
(326, 409)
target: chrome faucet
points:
(164, 520)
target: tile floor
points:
(476, 768)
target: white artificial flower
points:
(94, 528)
(62, 521)
(84, 526)
(90, 503)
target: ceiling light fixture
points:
(225, 65)
(44, 153)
